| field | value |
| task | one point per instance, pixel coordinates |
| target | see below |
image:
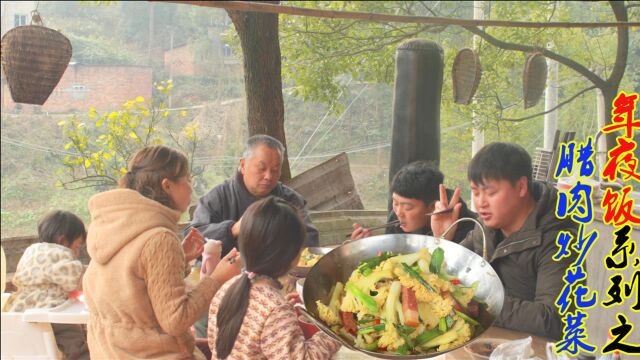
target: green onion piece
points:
(372, 347)
(467, 318)
(449, 321)
(416, 276)
(370, 329)
(367, 300)
(442, 325)
(367, 318)
(404, 332)
(367, 265)
(427, 335)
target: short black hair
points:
(500, 161)
(418, 180)
(58, 225)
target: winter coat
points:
(134, 287)
(225, 204)
(532, 279)
(45, 275)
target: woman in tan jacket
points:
(138, 301)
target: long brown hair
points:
(271, 236)
(149, 166)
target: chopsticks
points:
(396, 222)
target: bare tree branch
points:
(552, 109)
(92, 180)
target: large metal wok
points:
(338, 265)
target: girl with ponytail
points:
(249, 318)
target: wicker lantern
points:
(465, 74)
(534, 79)
(34, 59)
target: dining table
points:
(538, 344)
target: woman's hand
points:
(228, 267)
(193, 244)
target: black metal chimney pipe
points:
(416, 104)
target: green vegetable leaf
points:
(437, 258)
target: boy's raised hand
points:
(439, 223)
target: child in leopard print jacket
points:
(48, 271)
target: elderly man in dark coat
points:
(219, 212)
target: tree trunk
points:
(615, 78)
(260, 44)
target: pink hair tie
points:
(250, 275)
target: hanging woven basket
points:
(465, 74)
(34, 59)
(534, 79)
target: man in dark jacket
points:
(414, 191)
(219, 212)
(519, 221)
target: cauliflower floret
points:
(356, 276)
(387, 265)
(440, 306)
(464, 295)
(383, 291)
(390, 338)
(441, 284)
(350, 303)
(327, 315)
(464, 334)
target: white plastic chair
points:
(21, 339)
(29, 335)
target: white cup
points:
(299, 286)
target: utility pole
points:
(478, 134)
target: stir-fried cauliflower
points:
(464, 334)
(327, 315)
(390, 338)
